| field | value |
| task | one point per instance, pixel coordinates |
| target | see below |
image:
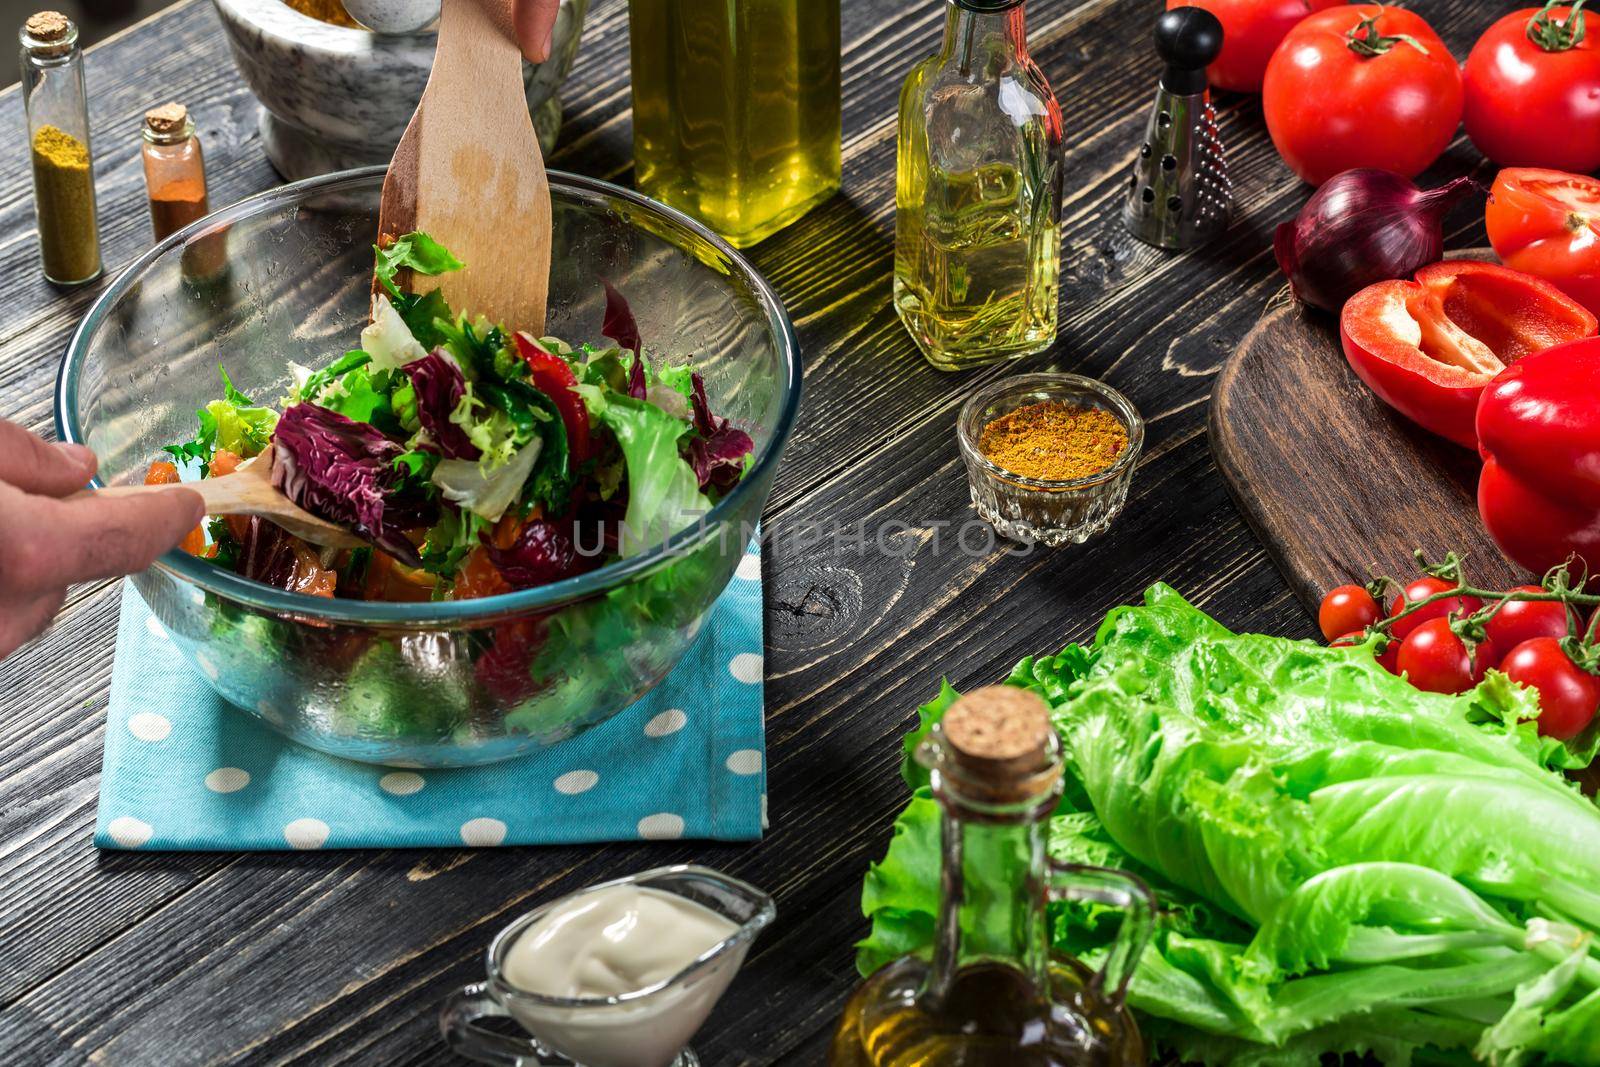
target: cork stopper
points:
(167, 120)
(49, 33)
(999, 740)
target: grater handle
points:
(1188, 39)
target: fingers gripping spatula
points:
(468, 171)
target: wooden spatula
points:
(468, 171)
(249, 491)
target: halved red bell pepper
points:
(1429, 347)
(553, 378)
(1539, 435)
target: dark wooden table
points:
(344, 957)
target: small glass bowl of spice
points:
(1049, 456)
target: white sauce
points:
(612, 941)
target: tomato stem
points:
(1554, 36)
(1365, 40)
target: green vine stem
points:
(1556, 587)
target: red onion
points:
(1363, 226)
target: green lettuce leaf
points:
(663, 493)
(413, 251)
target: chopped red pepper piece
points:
(1428, 347)
(553, 378)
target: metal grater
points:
(1180, 195)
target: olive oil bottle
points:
(978, 193)
(736, 109)
(993, 993)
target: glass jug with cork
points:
(994, 993)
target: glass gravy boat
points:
(649, 1027)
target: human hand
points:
(48, 542)
(534, 22)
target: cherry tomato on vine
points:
(1568, 694)
(1532, 91)
(1361, 85)
(1389, 658)
(1422, 589)
(1435, 660)
(1347, 609)
(1517, 621)
(1251, 29)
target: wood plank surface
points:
(1341, 488)
(329, 958)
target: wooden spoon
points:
(468, 171)
(249, 491)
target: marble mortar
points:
(333, 98)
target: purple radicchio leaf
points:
(344, 471)
(619, 324)
(718, 449)
(542, 553)
(266, 553)
(440, 386)
(636, 383)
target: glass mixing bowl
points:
(284, 276)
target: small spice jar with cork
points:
(56, 102)
(175, 178)
(1049, 456)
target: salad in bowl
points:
(475, 459)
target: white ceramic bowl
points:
(334, 98)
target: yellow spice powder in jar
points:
(63, 188)
(1053, 440)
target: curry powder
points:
(329, 11)
(63, 190)
(1054, 441)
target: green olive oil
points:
(736, 109)
(978, 194)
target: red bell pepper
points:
(1539, 435)
(553, 378)
(1429, 347)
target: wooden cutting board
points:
(1337, 485)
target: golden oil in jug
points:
(993, 992)
(736, 109)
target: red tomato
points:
(1389, 658)
(1361, 86)
(1347, 609)
(1547, 222)
(1532, 92)
(1435, 660)
(1522, 620)
(1429, 347)
(1251, 30)
(1568, 694)
(1422, 589)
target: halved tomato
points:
(1547, 223)
(1428, 347)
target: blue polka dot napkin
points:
(183, 770)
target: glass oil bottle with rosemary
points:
(978, 195)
